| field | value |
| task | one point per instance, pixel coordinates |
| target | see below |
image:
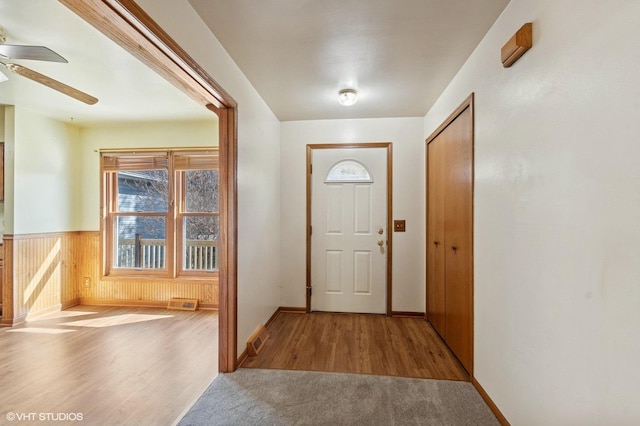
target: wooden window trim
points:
(174, 216)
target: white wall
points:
(131, 135)
(557, 208)
(258, 165)
(9, 142)
(1, 123)
(408, 200)
(44, 193)
(2, 139)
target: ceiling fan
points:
(37, 53)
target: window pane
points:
(201, 238)
(349, 171)
(139, 242)
(143, 191)
(202, 190)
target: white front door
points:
(349, 230)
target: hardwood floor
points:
(114, 366)
(355, 343)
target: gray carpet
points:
(277, 397)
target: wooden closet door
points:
(458, 240)
(435, 236)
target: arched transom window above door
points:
(348, 171)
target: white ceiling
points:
(127, 90)
(399, 54)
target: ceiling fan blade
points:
(50, 82)
(37, 53)
(3, 77)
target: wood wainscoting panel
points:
(7, 283)
(1, 274)
(126, 292)
(134, 291)
(88, 256)
(40, 274)
(48, 272)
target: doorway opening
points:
(128, 25)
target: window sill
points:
(213, 277)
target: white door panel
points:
(348, 265)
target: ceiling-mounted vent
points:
(183, 304)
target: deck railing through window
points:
(149, 253)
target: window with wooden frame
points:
(160, 213)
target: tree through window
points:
(160, 212)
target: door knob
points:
(436, 243)
(454, 248)
(380, 243)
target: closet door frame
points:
(467, 103)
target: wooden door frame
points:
(467, 103)
(389, 152)
(129, 26)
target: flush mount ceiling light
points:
(347, 97)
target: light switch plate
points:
(399, 225)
